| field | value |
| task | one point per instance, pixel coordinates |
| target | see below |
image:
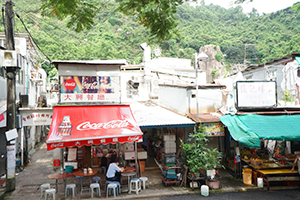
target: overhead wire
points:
(51, 36)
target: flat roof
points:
(90, 62)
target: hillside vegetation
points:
(115, 36)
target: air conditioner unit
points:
(154, 88)
(9, 58)
(20, 46)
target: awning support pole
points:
(135, 151)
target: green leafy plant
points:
(287, 96)
(197, 156)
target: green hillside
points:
(115, 36)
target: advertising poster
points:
(213, 129)
(72, 154)
(89, 88)
(11, 161)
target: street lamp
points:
(201, 57)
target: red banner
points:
(88, 125)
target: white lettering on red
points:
(133, 138)
(108, 125)
(57, 145)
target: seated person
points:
(295, 161)
(113, 172)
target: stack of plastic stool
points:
(50, 191)
(44, 186)
(95, 186)
(70, 186)
(144, 180)
(115, 182)
(135, 185)
(112, 186)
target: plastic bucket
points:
(142, 165)
(69, 169)
(204, 190)
(247, 176)
(260, 182)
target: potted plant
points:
(197, 156)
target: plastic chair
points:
(112, 186)
(79, 177)
(95, 186)
(70, 186)
(144, 180)
(135, 185)
(113, 182)
(97, 179)
(44, 187)
(50, 192)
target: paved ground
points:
(250, 195)
(29, 180)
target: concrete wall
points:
(261, 73)
(209, 100)
(2, 150)
(174, 98)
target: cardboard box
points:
(169, 138)
(257, 163)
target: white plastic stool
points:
(144, 180)
(43, 187)
(95, 186)
(50, 191)
(70, 186)
(112, 186)
(135, 185)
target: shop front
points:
(88, 134)
(263, 144)
(163, 130)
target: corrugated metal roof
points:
(206, 117)
(150, 115)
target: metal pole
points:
(196, 68)
(11, 87)
(135, 156)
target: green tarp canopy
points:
(248, 129)
(298, 59)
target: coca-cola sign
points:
(108, 125)
(70, 84)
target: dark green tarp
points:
(248, 129)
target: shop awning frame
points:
(92, 125)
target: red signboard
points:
(88, 125)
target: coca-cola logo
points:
(70, 84)
(108, 125)
(57, 145)
(133, 138)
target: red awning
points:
(87, 125)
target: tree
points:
(156, 15)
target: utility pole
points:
(11, 85)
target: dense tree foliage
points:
(114, 35)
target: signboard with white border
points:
(256, 94)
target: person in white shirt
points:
(113, 172)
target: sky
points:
(262, 6)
